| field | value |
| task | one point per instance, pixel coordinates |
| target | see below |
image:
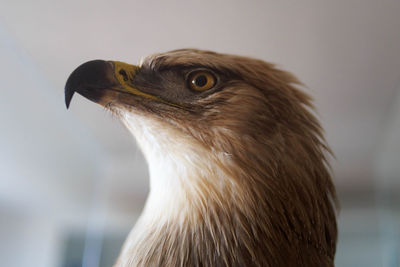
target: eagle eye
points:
(201, 80)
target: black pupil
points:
(200, 80)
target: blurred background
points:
(72, 183)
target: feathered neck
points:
(208, 208)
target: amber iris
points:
(201, 80)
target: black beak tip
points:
(68, 96)
(70, 87)
(69, 90)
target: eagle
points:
(238, 163)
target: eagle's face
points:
(213, 99)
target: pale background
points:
(72, 183)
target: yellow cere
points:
(129, 73)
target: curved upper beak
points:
(100, 81)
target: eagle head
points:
(237, 160)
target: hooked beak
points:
(103, 82)
(106, 82)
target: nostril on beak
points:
(123, 74)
